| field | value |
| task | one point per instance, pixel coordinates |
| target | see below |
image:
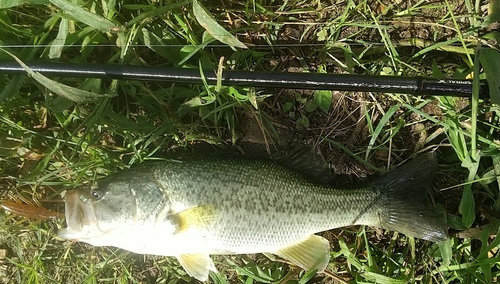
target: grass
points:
(57, 137)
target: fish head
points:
(108, 208)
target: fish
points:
(199, 206)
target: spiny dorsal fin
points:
(198, 217)
(311, 253)
(197, 265)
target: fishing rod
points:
(416, 86)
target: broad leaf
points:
(323, 99)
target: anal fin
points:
(197, 265)
(311, 253)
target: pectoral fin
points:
(311, 253)
(199, 217)
(197, 265)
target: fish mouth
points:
(80, 215)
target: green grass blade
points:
(4, 4)
(467, 205)
(84, 16)
(490, 61)
(307, 277)
(70, 93)
(213, 28)
(252, 271)
(155, 12)
(446, 250)
(352, 154)
(496, 169)
(378, 130)
(382, 279)
(57, 45)
(12, 88)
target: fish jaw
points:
(80, 220)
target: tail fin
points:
(405, 208)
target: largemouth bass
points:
(200, 206)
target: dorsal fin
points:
(307, 163)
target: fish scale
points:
(246, 196)
(231, 205)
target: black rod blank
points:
(417, 86)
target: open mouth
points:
(79, 214)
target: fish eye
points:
(96, 194)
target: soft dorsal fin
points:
(311, 253)
(198, 217)
(307, 163)
(197, 265)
